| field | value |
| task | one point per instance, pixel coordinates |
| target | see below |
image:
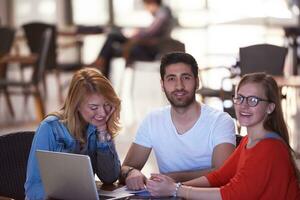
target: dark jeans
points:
(113, 48)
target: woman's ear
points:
(271, 108)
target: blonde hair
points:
(85, 82)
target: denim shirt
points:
(52, 135)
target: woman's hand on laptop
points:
(135, 180)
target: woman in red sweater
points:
(262, 167)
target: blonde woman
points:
(86, 124)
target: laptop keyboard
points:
(104, 197)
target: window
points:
(91, 12)
(34, 10)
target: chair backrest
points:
(7, 37)
(34, 33)
(170, 45)
(40, 67)
(262, 58)
(14, 152)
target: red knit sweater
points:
(263, 172)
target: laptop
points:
(70, 176)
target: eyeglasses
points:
(252, 101)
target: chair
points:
(7, 37)
(262, 58)
(33, 31)
(166, 45)
(14, 152)
(206, 91)
(170, 45)
(31, 87)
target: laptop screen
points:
(69, 176)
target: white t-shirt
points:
(191, 150)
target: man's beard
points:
(188, 100)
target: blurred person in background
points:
(142, 44)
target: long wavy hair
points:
(85, 82)
(275, 121)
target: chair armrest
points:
(73, 41)
(230, 72)
(70, 45)
(30, 59)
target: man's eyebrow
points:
(170, 75)
(183, 74)
(186, 74)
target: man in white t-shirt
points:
(189, 139)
